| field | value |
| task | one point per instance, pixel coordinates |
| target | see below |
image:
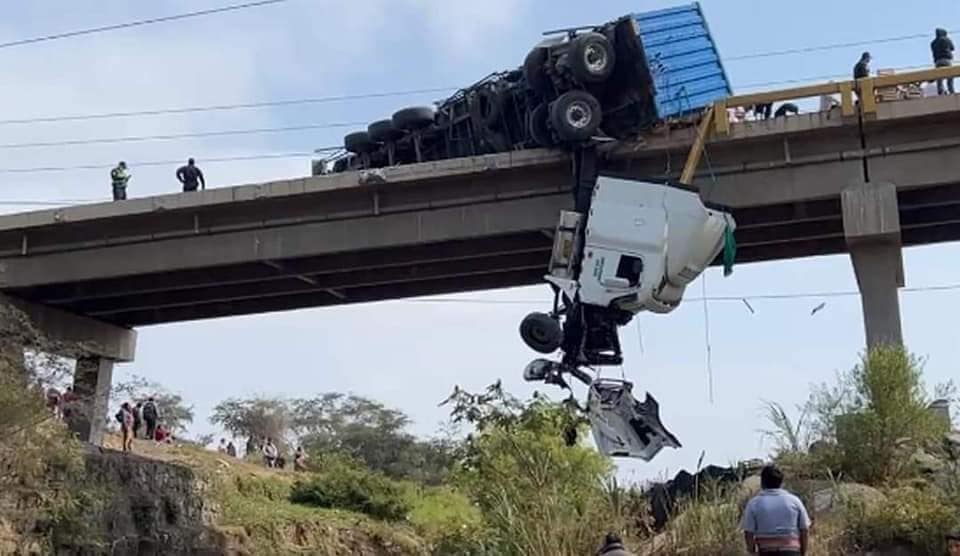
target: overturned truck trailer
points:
(615, 80)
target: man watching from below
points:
(775, 521)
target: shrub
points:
(343, 485)
(919, 517)
(449, 522)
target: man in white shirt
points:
(775, 521)
(270, 453)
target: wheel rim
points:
(595, 58)
(579, 115)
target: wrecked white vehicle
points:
(634, 246)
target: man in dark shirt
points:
(191, 176)
(942, 48)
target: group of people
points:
(189, 176)
(941, 48)
(141, 420)
(272, 457)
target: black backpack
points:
(149, 411)
(119, 416)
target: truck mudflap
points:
(623, 426)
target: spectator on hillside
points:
(270, 453)
(300, 459)
(231, 449)
(774, 520)
(953, 543)
(942, 48)
(161, 435)
(251, 446)
(53, 402)
(66, 403)
(613, 546)
(151, 416)
(138, 420)
(125, 418)
(222, 448)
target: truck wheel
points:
(359, 142)
(410, 119)
(592, 58)
(541, 332)
(538, 127)
(575, 116)
(382, 131)
(533, 69)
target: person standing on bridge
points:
(119, 178)
(862, 69)
(942, 48)
(191, 177)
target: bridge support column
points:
(97, 346)
(871, 223)
(92, 380)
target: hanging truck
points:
(628, 246)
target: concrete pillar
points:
(91, 386)
(871, 223)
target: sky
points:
(410, 354)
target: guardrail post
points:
(846, 100)
(868, 96)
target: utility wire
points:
(721, 298)
(220, 107)
(824, 47)
(139, 23)
(170, 137)
(267, 156)
(353, 97)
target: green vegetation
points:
(352, 487)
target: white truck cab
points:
(636, 249)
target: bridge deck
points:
(463, 224)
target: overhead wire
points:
(140, 23)
(362, 96)
(177, 136)
(265, 156)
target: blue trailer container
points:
(683, 59)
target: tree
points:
(256, 419)
(370, 432)
(175, 414)
(876, 417)
(541, 493)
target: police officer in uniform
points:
(119, 178)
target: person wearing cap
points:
(119, 178)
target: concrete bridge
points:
(813, 184)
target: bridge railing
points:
(866, 89)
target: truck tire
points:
(538, 126)
(359, 142)
(411, 119)
(575, 116)
(592, 58)
(534, 70)
(541, 332)
(382, 131)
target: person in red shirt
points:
(161, 434)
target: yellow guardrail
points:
(866, 88)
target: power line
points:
(814, 78)
(824, 47)
(139, 23)
(362, 96)
(266, 156)
(220, 107)
(722, 298)
(169, 137)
